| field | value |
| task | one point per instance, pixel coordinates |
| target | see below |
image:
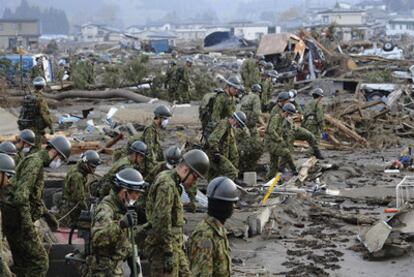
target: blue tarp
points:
(160, 45)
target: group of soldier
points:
(136, 206)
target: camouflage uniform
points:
(250, 73)
(250, 146)
(182, 85)
(210, 250)
(37, 71)
(297, 106)
(223, 141)
(109, 242)
(169, 77)
(4, 268)
(166, 217)
(275, 110)
(267, 88)
(278, 142)
(45, 116)
(75, 195)
(314, 120)
(22, 206)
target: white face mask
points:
(56, 163)
(164, 123)
(131, 202)
(169, 166)
(26, 150)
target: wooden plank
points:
(345, 130)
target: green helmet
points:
(139, 147)
(8, 148)
(7, 164)
(173, 155)
(91, 157)
(317, 92)
(283, 96)
(222, 188)
(162, 111)
(268, 66)
(257, 88)
(28, 136)
(61, 145)
(130, 179)
(241, 118)
(289, 108)
(198, 161)
(234, 81)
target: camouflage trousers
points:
(304, 134)
(4, 268)
(315, 130)
(222, 168)
(181, 266)
(280, 157)
(29, 255)
(250, 151)
(97, 266)
(182, 95)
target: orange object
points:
(391, 210)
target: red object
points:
(391, 210)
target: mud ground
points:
(296, 242)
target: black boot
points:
(318, 154)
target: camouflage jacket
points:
(250, 73)
(251, 106)
(182, 78)
(158, 168)
(109, 240)
(151, 137)
(170, 75)
(275, 110)
(43, 109)
(107, 180)
(27, 188)
(210, 250)
(314, 114)
(4, 268)
(267, 88)
(165, 214)
(75, 193)
(279, 133)
(223, 107)
(20, 155)
(223, 140)
(297, 106)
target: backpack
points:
(206, 106)
(29, 117)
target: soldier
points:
(25, 143)
(23, 205)
(151, 136)
(250, 147)
(293, 93)
(112, 220)
(282, 99)
(76, 191)
(7, 171)
(169, 78)
(43, 119)
(222, 147)
(249, 71)
(267, 87)
(314, 118)
(137, 158)
(182, 83)
(164, 244)
(172, 157)
(278, 140)
(209, 246)
(8, 148)
(37, 70)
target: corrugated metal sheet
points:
(276, 43)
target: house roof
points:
(161, 34)
(276, 43)
(4, 20)
(402, 20)
(341, 11)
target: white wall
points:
(343, 18)
(250, 33)
(400, 28)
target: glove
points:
(168, 262)
(129, 220)
(51, 220)
(216, 158)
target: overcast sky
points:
(139, 11)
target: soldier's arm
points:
(257, 109)
(201, 256)
(106, 232)
(75, 184)
(44, 112)
(25, 182)
(215, 137)
(217, 108)
(148, 137)
(274, 131)
(161, 217)
(320, 116)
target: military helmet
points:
(198, 161)
(235, 82)
(293, 93)
(283, 96)
(317, 92)
(240, 117)
(139, 147)
(189, 60)
(250, 54)
(91, 157)
(174, 53)
(260, 57)
(268, 66)
(222, 188)
(173, 62)
(28, 136)
(162, 111)
(61, 145)
(257, 88)
(8, 148)
(271, 73)
(39, 82)
(289, 108)
(7, 164)
(262, 63)
(130, 179)
(173, 155)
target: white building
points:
(342, 17)
(251, 31)
(400, 26)
(134, 29)
(190, 34)
(92, 32)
